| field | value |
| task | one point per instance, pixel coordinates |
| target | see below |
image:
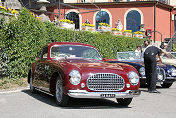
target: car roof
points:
(69, 43)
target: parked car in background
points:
(170, 59)
(166, 74)
(77, 70)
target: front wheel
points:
(166, 85)
(61, 98)
(124, 101)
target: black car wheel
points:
(124, 101)
(61, 98)
(166, 85)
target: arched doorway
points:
(102, 17)
(133, 21)
(74, 17)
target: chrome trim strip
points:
(86, 94)
(142, 77)
(43, 91)
(170, 78)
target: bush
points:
(174, 47)
(23, 38)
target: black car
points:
(166, 73)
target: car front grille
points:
(161, 76)
(105, 82)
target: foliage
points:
(174, 47)
(23, 38)
(6, 83)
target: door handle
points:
(46, 67)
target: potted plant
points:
(127, 33)
(138, 34)
(88, 27)
(116, 31)
(66, 23)
(104, 27)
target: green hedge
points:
(22, 38)
(174, 48)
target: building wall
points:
(163, 23)
(116, 12)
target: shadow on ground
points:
(144, 88)
(77, 103)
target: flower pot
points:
(138, 35)
(88, 28)
(85, 28)
(91, 29)
(117, 33)
(67, 25)
(104, 28)
(127, 34)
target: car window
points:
(74, 51)
(89, 53)
(44, 53)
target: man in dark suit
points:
(150, 62)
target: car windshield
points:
(172, 55)
(129, 56)
(74, 51)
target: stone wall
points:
(13, 4)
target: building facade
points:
(157, 15)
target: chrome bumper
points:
(170, 78)
(86, 94)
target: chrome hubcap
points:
(59, 91)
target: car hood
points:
(162, 65)
(96, 65)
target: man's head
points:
(138, 47)
(146, 42)
(165, 45)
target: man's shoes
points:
(153, 91)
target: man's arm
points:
(160, 59)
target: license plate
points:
(108, 95)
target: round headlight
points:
(142, 71)
(134, 78)
(75, 77)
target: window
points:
(74, 51)
(74, 17)
(102, 17)
(133, 21)
(44, 53)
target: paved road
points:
(26, 105)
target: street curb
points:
(14, 91)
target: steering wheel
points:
(62, 55)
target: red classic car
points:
(77, 70)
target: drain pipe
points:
(155, 21)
